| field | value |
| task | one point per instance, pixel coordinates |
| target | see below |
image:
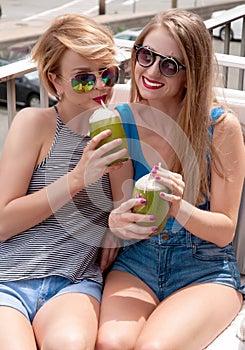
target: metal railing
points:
(14, 70)
(224, 22)
(9, 72)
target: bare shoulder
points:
(229, 145)
(228, 127)
(33, 122)
(30, 129)
(34, 118)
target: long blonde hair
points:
(195, 44)
(78, 33)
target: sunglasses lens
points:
(144, 57)
(168, 67)
(110, 76)
(82, 83)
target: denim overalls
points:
(175, 258)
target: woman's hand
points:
(124, 224)
(94, 163)
(174, 182)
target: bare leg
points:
(15, 330)
(126, 304)
(191, 318)
(69, 321)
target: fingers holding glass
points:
(173, 181)
(125, 224)
(95, 161)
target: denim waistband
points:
(175, 234)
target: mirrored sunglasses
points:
(85, 82)
(168, 66)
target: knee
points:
(71, 341)
(112, 342)
(152, 344)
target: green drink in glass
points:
(103, 119)
(148, 188)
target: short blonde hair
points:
(76, 32)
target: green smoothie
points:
(148, 188)
(102, 119)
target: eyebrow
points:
(86, 70)
(81, 69)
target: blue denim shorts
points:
(28, 296)
(172, 260)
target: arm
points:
(25, 142)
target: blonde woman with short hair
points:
(56, 195)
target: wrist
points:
(75, 181)
(183, 213)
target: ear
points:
(53, 78)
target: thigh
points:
(67, 321)
(190, 318)
(15, 331)
(126, 304)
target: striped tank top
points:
(68, 242)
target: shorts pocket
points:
(210, 252)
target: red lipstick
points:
(98, 99)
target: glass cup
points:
(148, 188)
(103, 119)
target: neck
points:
(169, 107)
(75, 119)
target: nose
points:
(99, 83)
(154, 68)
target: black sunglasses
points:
(168, 66)
(85, 82)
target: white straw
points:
(103, 104)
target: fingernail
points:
(157, 178)
(143, 201)
(162, 194)
(152, 218)
(153, 172)
(156, 167)
(154, 229)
